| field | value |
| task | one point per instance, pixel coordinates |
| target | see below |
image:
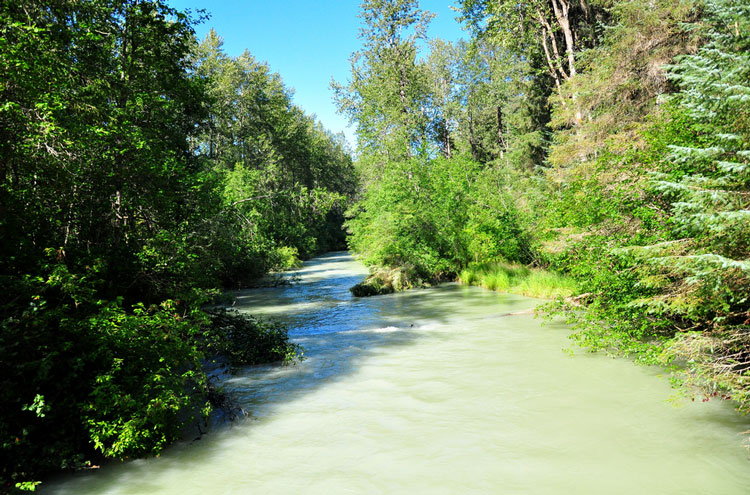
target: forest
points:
(141, 172)
(600, 146)
(605, 141)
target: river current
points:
(449, 390)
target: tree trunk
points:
(471, 138)
(500, 136)
(562, 11)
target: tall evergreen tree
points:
(706, 268)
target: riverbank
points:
(447, 390)
(512, 278)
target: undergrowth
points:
(518, 279)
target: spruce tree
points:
(707, 266)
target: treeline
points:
(140, 172)
(284, 178)
(605, 140)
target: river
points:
(439, 391)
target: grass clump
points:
(518, 279)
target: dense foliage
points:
(604, 140)
(140, 171)
(282, 178)
(426, 129)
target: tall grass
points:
(518, 279)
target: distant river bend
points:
(439, 391)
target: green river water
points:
(439, 391)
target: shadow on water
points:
(332, 257)
(338, 332)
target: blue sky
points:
(307, 42)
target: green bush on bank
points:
(667, 268)
(153, 171)
(111, 382)
(245, 340)
(430, 218)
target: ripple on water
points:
(439, 391)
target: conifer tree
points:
(706, 268)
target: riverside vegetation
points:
(141, 171)
(605, 143)
(599, 149)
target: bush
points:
(436, 216)
(245, 339)
(87, 379)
